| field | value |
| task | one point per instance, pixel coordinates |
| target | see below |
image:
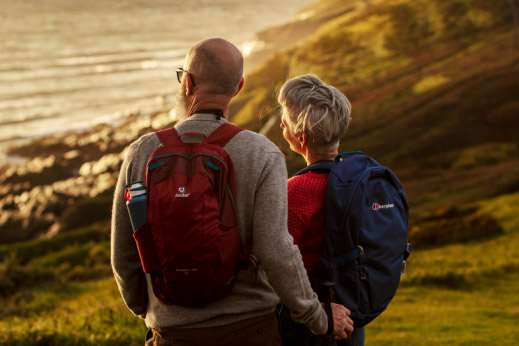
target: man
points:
(210, 77)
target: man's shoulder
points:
(255, 141)
(143, 146)
(146, 139)
(252, 152)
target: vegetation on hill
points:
(60, 291)
(434, 87)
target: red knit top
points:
(306, 212)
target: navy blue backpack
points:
(366, 235)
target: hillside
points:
(434, 87)
(435, 92)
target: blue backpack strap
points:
(317, 166)
(347, 258)
(326, 165)
(348, 153)
(408, 249)
(326, 288)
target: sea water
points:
(70, 64)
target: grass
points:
(60, 291)
(89, 313)
(459, 294)
(27, 251)
(421, 315)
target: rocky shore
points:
(66, 181)
(63, 182)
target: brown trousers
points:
(260, 331)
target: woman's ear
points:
(302, 139)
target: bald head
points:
(217, 65)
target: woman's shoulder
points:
(307, 182)
(312, 177)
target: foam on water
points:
(71, 65)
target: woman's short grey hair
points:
(319, 110)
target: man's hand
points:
(342, 324)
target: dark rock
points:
(68, 181)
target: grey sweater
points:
(261, 179)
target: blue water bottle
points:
(137, 204)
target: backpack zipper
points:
(203, 154)
(352, 194)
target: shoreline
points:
(46, 178)
(75, 166)
(84, 85)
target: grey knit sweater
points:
(261, 178)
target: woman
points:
(315, 116)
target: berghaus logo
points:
(182, 193)
(377, 206)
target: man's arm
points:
(274, 248)
(281, 259)
(125, 258)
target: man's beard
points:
(179, 111)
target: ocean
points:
(67, 65)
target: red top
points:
(306, 212)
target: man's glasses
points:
(180, 71)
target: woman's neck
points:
(312, 156)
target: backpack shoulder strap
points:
(317, 166)
(348, 153)
(223, 134)
(168, 136)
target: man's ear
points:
(239, 86)
(189, 84)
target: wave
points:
(65, 65)
(120, 81)
(27, 119)
(89, 65)
(115, 58)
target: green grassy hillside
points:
(459, 294)
(435, 92)
(434, 87)
(60, 291)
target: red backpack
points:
(190, 244)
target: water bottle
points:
(137, 205)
